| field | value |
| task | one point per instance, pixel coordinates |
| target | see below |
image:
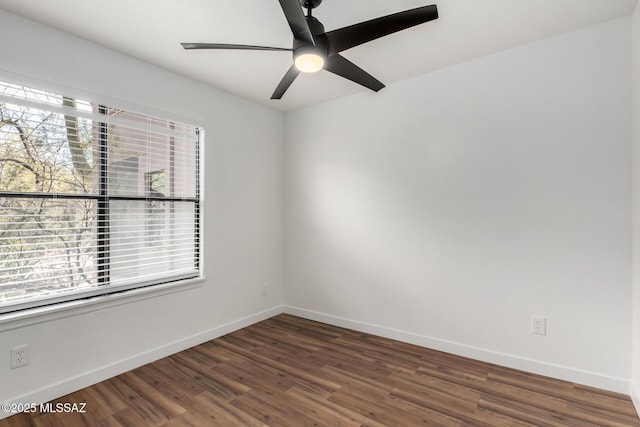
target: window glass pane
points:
(136, 152)
(43, 151)
(47, 246)
(151, 239)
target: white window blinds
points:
(93, 199)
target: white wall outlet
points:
(265, 290)
(19, 356)
(538, 325)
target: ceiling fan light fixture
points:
(308, 60)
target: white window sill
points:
(32, 316)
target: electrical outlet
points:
(19, 356)
(265, 290)
(538, 325)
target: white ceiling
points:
(151, 30)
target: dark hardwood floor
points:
(287, 371)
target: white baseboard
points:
(635, 395)
(593, 379)
(69, 385)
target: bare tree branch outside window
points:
(45, 243)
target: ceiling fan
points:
(314, 49)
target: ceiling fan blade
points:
(341, 66)
(357, 34)
(298, 23)
(230, 46)
(285, 82)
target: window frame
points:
(103, 293)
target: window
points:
(93, 199)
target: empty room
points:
(330, 213)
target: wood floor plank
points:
(427, 416)
(257, 377)
(330, 412)
(105, 396)
(357, 380)
(440, 401)
(227, 411)
(293, 372)
(298, 373)
(138, 408)
(203, 375)
(95, 413)
(493, 408)
(273, 410)
(374, 406)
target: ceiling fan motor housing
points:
(319, 37)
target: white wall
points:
(635, 380)
(445, 210)
(242, 219)
(448, 209)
